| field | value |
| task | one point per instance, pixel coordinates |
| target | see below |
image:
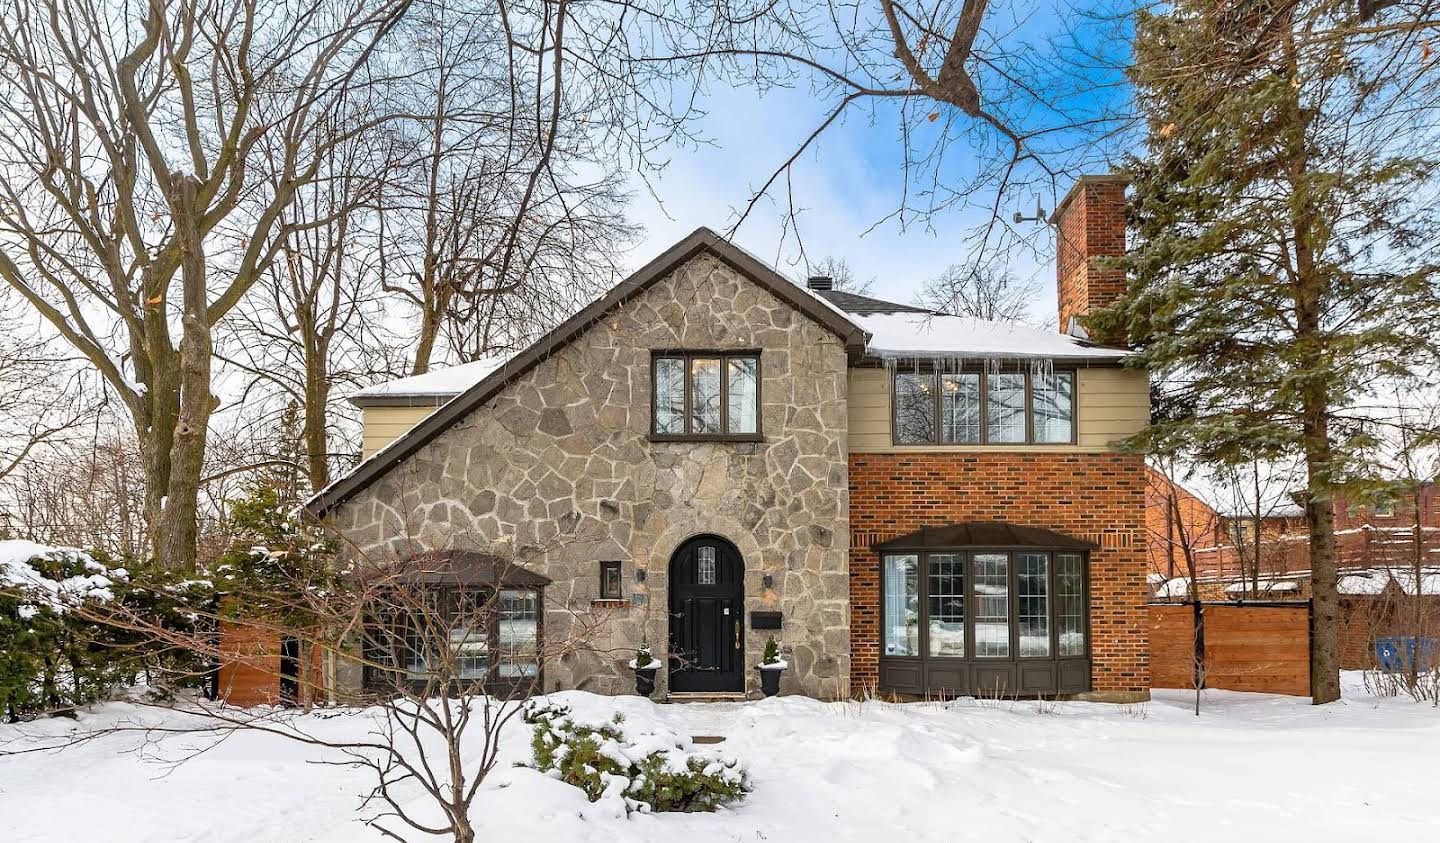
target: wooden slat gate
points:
(1262, 647)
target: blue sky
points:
(846, 183)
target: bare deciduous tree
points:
(990, 294)
(137, 202)
(505, 215)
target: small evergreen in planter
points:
(770, 667)
(644, 665)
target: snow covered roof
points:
(1266, 587)
(1174, 588)
(1375, 580)
(442, 383)
(932, 335)
(892, 335)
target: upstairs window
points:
(706, 395)
(978, 408)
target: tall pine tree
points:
(1284, 259)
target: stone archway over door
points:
(707, 611)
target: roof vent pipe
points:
(820, 282)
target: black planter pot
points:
(770, 681)
(645, 680)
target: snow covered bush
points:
(655, 771)
(63, 637)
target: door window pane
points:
(914, 408)
(706, 559)
(1053, 400)
(1032, 571)
(947, 604)
(518, 635)
(1006, 399)
(902, 606)
(1070, 603)
(992, 604)
(705, 395)
(960, 408)
(670, 395)
(741, 383)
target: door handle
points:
(737, 635)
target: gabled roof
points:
(865, 305)
(701, 240)
(984, 534)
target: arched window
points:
(985, 608)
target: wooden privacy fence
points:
(1262, 647)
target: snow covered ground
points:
(1252, 767)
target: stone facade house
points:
(709, 454)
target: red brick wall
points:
(1096, 496)
(1089, 222)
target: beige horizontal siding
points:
(1112, 404)
(383, 425)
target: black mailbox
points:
(764, 620)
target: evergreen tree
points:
(1284, 259)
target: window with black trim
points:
(454, 634)
(995, 408)
(705, 395)
(610, 587)
(983, 604)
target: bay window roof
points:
(984, 534)
(466, 568)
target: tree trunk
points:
(317, 397)
(1310, 287)
(175, 542)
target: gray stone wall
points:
(558, 472)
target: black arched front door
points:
(707, 608)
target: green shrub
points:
(53, 656)
(598, 758)
(772, 651)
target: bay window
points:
(452, 622)
(984, 607)
(996, 408)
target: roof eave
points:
(401, 399)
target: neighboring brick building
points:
(916, 503)
(1380, 594)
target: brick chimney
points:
(1090, 222)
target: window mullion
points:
(1013, 573)
(984, 408)
(938, 434)
(1029, 407)
(724, 395)
(689, 387)
(922, 592)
